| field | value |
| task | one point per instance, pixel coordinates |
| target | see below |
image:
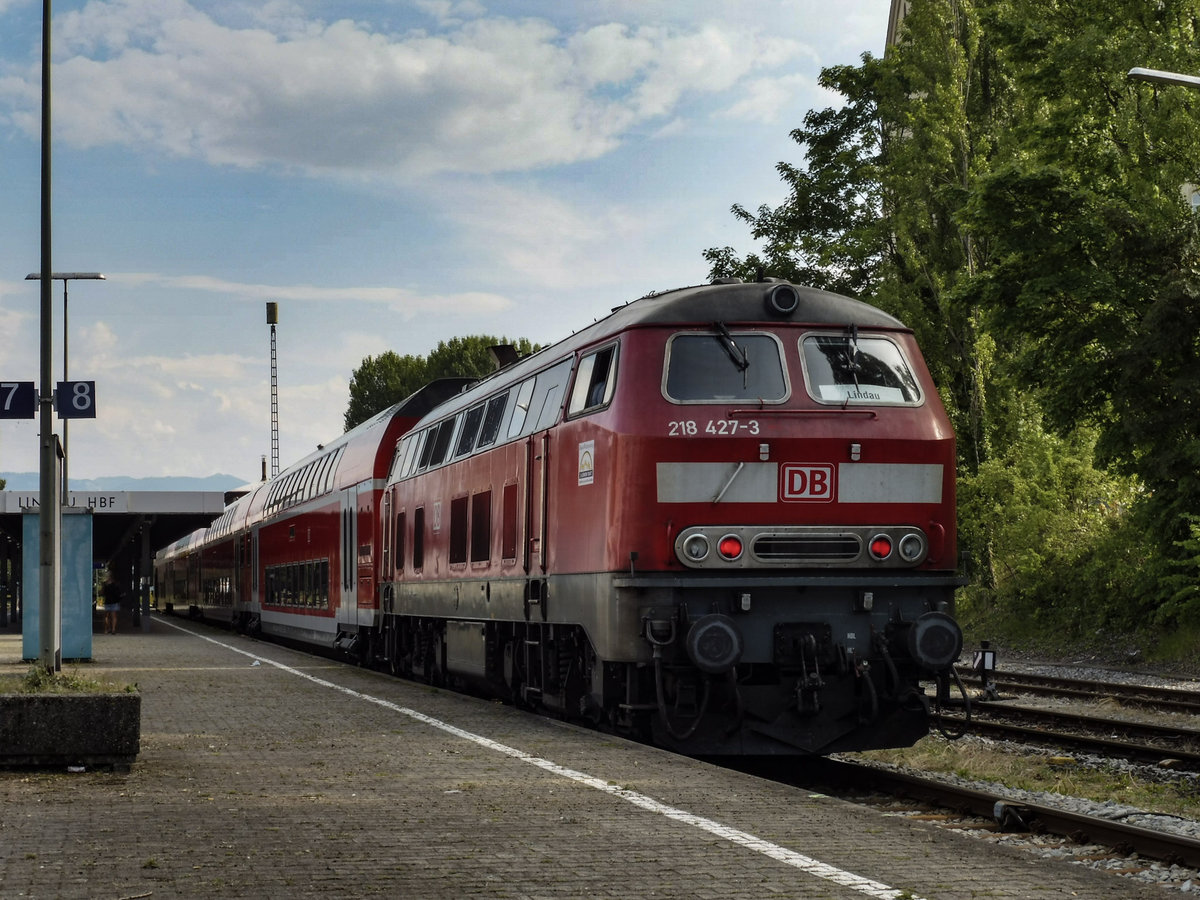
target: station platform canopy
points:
(126, 524)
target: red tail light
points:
(881, 546)
(730, 546)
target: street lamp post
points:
(1157, 76)
(64, 277)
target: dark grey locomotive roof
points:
(732, 304)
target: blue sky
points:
(392, 174)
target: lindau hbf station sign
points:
(122, 529)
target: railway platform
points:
(264, 772)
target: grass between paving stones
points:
(1169, 794)
(38, 681)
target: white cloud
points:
(400, 299)
(488, 95)
(763, 99)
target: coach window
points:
(323, 469)
(331, 469)
(847, 369)
(594, 382)
(720, 366)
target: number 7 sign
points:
(18, 400)
(75, 399)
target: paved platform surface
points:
(268, 773)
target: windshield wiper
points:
(736, 353)
(852, 365)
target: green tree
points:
(388, 378)
(381, 381)
(997, 183)
(1092, 242)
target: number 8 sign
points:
(75, 399)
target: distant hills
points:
(29, 481)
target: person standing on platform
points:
(110, 594)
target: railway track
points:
(1142, 696)
(1142, 742)
(1001, 812)
(1007, 814)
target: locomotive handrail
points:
(746, 580)
(825, 411)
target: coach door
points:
(348, 558)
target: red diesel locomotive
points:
(721, 518)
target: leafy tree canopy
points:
(998, 183)
(388, 378)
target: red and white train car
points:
(297, 557)
(721, 518)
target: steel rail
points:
(1141, 695)
(1121, 837)
(1109, 746)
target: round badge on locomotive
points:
(721, 519)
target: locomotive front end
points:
(790, 524)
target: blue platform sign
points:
(18, 400)
(75, 574)
(75, 399)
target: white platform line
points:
(796, 860)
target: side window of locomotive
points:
(847, 369)
(470, 430)
(594, 382)
(551, 405)
(412, 455)
(418, 554)
(427, 447)
(443, 440)
(548, 396)
(490, 429)
(722, 367)
(398, 457)
(400, 523)
(520, 408)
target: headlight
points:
(912, 548)
(696, 547)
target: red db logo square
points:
(806, 482)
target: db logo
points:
(806, 482)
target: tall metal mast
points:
(272, 320)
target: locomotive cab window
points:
(847, 369)
(594, 382)
(720, 366)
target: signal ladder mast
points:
(273, 320)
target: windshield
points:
(847, 369)
(723, 366)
